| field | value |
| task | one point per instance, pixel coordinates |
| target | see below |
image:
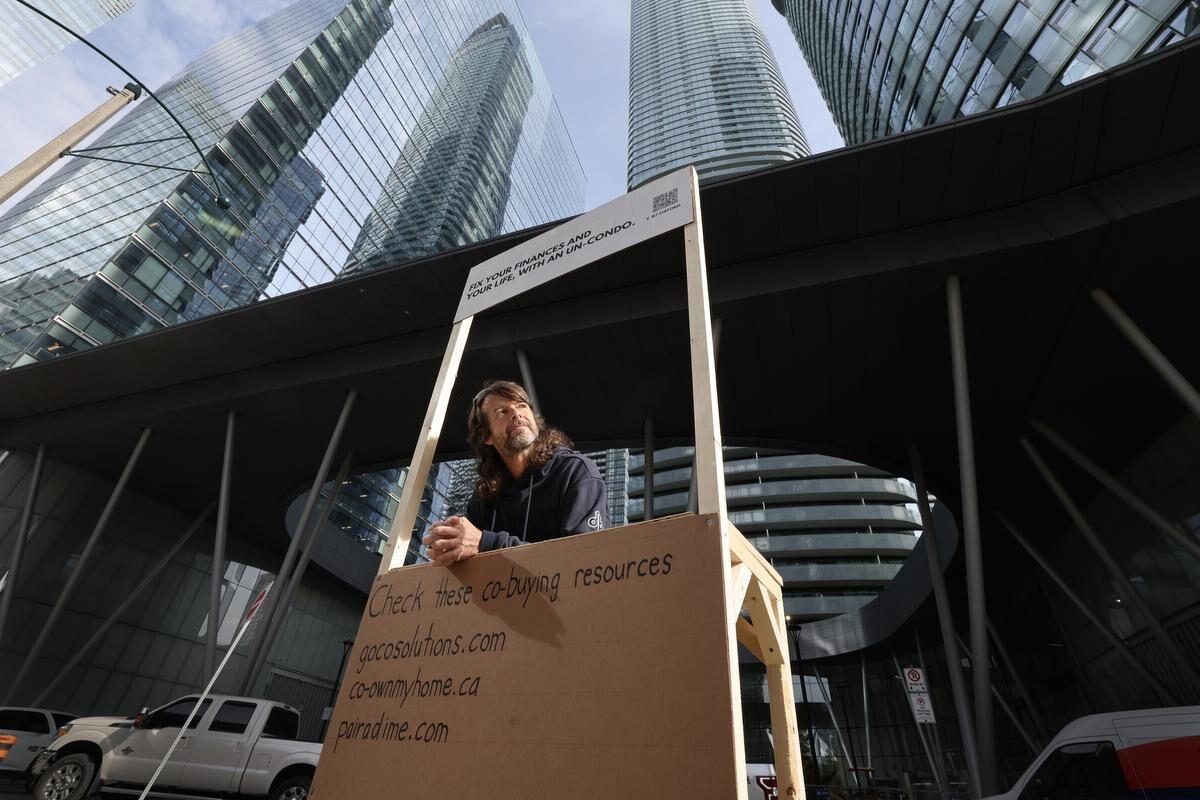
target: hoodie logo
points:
(593, 521)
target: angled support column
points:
(1118, 644)
(837, 729)
(527, 380)
(972, 543)
(1042, 731)
(935, 736)
(218, 565)
(80, 568)
(14, 568)
(958, 687)
(1034, 748)
(1172, 532)
(648, 471)
(115, 617)
(934, 768)
(309, 539)
(1132, 596)
(270, 603)
(1159, 362)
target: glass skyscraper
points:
(704, 89)
(886, 66)
(27, 39)
(343, 132)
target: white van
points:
(1128, 755)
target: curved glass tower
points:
(704, 89)
(886, 66)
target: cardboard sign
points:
(591, 666)
(914, 679)
(661, 205)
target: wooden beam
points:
(770, 640)
(739, 580)
(418, 470)
(781, 695)
(749, 638)
(709, 465)
(742, 552)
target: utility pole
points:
(17, 177)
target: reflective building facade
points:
(316, 121)
(886, 66)
(348, 136)
(27, 39)
(704, 89)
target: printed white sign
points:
(914, 678)
(660, 206)
(922, 708)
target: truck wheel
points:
(294, 788)
(68, 778)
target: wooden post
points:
(708, 466)
(422, 460)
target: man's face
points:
(511, 425)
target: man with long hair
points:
(532, 485)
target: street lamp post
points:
(794, 635)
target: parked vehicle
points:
(25, 732)
(234, 745)
(1131, 754)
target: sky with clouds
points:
(583, 45)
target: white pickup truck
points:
(234, 746)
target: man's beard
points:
(520, 439)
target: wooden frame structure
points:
(752, 588)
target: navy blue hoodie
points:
(565, 496)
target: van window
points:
(1080, 771)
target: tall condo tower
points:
(704, 89)
(27, 39)
(886, 66)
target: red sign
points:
(767, 784)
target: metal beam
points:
(822, 686)
(310, 537)
(114, 617)
(1034, 748)
(934, 729)
(527, 381)
(271, 602)
(218, 561)
(972, 542)
(1162, 691)
(648, 471)
(1042, 731)
(14, 567)
(958, 687)
(80, 568)
(1172, 532)
(1132, 596)
(1141, 342)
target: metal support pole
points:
(310, 538)
(866, 709)
(693, 504)
(958, 687)
(812, 733)
(935, 734)
(836, 728)
(648, 471)
(1162, 691)
(527, 380)
(972, 543)
(254, 663)
(14, 568)
(934, 768)
(1034, 749)
(218, 563)
(80, 569)
(113, 618)
(1040, 724)
(1172, 532)
(16, 178)
(1132, 596)
(1165, 369)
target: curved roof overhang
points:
(828, 274)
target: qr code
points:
(666, 200)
